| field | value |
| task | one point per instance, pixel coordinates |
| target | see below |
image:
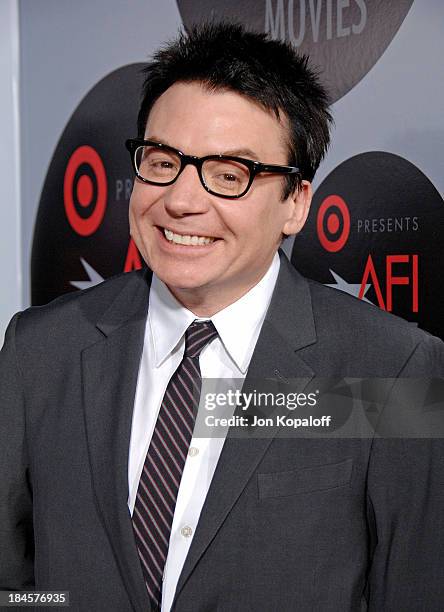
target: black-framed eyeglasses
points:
(226, 176)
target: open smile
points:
(187, 239)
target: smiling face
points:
(236, 239)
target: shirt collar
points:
(238, 325)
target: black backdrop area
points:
(375, 230)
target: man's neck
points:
(207, 301)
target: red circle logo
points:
(84, 190)
(334, 213)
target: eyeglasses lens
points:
(226, 177)
(156, 164)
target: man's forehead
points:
(222, 116)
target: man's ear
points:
(299, 202)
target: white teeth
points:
(187, 240)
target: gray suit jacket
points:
(288, 524)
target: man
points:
(105, 492)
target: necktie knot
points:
(197, 336)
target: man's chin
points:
(182, 280)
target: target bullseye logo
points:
(85, 186)
(333, 223)
(81, 233)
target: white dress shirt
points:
(227, 356)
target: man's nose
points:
(187, 194)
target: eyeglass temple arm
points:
(280, 169)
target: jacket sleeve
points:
(16, 532)
(405, 497)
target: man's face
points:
(245, 232)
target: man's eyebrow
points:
(242, 152)
(154, 138)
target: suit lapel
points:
(109, 370)
(288, 327)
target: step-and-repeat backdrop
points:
(377, 222)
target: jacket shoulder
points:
(368, 339)
(74, 315)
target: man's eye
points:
(229, 178)
(161, 164)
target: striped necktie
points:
(165, 460)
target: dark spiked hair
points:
(268, 72)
